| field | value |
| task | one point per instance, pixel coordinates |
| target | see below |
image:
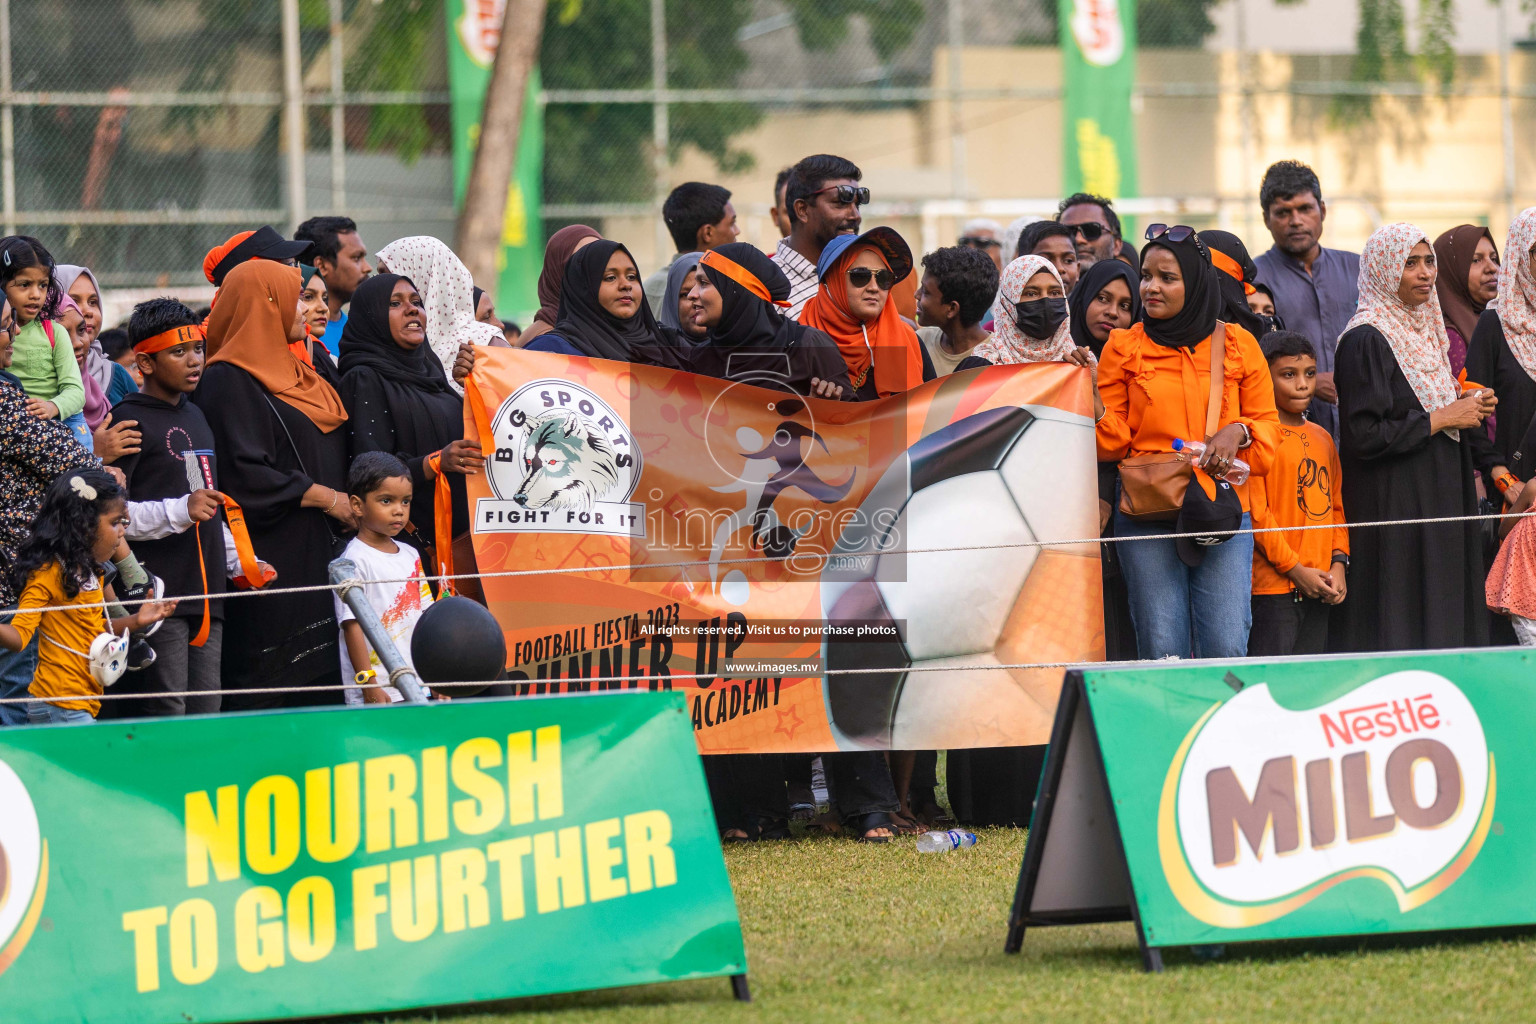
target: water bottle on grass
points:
(1236, 473)
(940, 842)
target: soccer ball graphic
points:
(992, 482)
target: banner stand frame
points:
(739, 988)
(1073, 722)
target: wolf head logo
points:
(566, 464)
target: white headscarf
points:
(1010, 345)
(1415, 333)
(96, 362)
(1516, 301)
(1012, 232)
(448, 293)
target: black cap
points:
(265, 243)
(1200, 513)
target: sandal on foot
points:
(734, 835)
(861, 825)
(934, 815)
(771, 828)
(904, 825)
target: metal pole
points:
(401, 676)
(957, 185)
(293, 102)
(1506, 114)
(338, 114)
(661, 132)
(7, 123)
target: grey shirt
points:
(656, 284)
(1315, 305)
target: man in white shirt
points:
(823, 195)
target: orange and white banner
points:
(759, 539)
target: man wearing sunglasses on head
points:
(1096, 224)
(823, 195)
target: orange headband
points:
(740, 274)
(170, 339)
(1231, 267)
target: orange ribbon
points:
(741, 275)
(1233, 269)
(234, 515)
(189, 334)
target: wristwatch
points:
(364, 678)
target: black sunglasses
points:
(1177, 233)
(859, 278)
(1091, 231)
(846, 194)
(978, 242)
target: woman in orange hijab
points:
(282, 458)
(853, 305)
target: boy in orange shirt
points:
(1298, 575)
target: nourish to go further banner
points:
(350, 861)
(1098, 44)
(784, 550)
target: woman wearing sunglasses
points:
(1155, 382)
(852, 304)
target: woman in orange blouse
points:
(1155, 380)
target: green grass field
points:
(840, 931)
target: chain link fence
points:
(136, 134)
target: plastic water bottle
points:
(942, 842)
(1236, 473)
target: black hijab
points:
(1093, 281)
(1234, 297)
(1202, 296)
(754, 342)
(745, 318)
(366, 340)
(591, 329)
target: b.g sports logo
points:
(562, 461)
(23, 867)
(1264, 809)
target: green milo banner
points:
(1225, 802)
(474, 32)
(341, 861)
(1098, 44)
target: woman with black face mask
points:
(1030, 323)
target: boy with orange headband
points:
(177, 520)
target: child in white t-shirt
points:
(379, 486)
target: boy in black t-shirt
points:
(177, 522)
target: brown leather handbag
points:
(1152, 486)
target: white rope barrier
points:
(585, 681)
(1073, 542)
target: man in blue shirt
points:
(342, 261)
(1316, 289)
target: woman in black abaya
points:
(604, 315)
(400, 401)
(1405, 447)
(283, 456)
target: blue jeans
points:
(16, 668)
(1202, 612)
(82, 432)
(42, 713)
